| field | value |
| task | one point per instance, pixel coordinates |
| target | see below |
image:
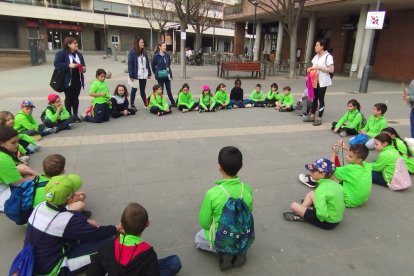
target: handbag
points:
(359, 139)
(163, 74)
(57, 82)
(401, 179)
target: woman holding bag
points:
(138, 69)
(70, 61)
(161, 63)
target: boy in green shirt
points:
(257, 98)
(230, 161)
(325, 206)
(375, 124)
(99, 90)
(286, 101)
(356, 177)
(272, 95)
(25, 123)
(157, 103)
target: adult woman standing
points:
(70, 61)
(324, 64)
(161, 62)
(138, 69)
(408, 96)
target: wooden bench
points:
(224, 68)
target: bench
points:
(224, 68)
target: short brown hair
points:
(54, 165)
(68, 40)
(3, 117)
(134, 219)
(287, 88)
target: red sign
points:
(32, 24)
(63, 26)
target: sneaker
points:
(83, 115)
(184, 110)
(225, 261)
(303, 115)
(33, 148)
(235, 106)
(159, 114)
(78, 120)
(307, 180)
(342, 133)
(49, 131)
(133, 107)
(290, 216)
(87, 214)
(239, 260)
(24, 158)
(69, 126)
(282, 110)
(308, 119)
(317, 123)
(201, 110)
(37, 137)
(219, 107)
(55, 129)
(213, 110)
(248, 105)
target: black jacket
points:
(236, 94)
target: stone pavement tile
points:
(106, 174)
(157, 190)
(177, 207)
(362, 260)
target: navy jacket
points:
(133, 64)
(62, 64)
(161, 63)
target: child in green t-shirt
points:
(256, 98)
(356, 177)
(325, 206)
(402, 147)
(157, 104)
(185, 100)
(272, 95)
(207, 102)
(222, 97)
(99, 90)
(286, 100)
(351, 122)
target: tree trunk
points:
(198, 39)
(293, 45)
(183, 26)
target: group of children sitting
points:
(325, 206)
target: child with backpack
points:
(27, 144)
(25, 123)
(402, 147)
(351, 122)
(99, 91)
(236, 95)
(286, 100)
(12, 171)
(128, 254)
(376, 122)
(272, 95)
(221, 97)
(55, 115)
(120, 103)
(216, 219)
(323, 207)
(157, 104)
(51, 228)
(185, 101)
(207, 102)
(257, 98)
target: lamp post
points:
(152, 4)
(255, 3)
(105, 33)
(214, 31)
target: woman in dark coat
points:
(70, 61)
(161, 63)
(138, 69)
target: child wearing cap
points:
(236, 95)
(325, 206)
(230, 162)
(25, 123)
(51, 228)
(128, 254)
(207, 101)
(54, 168)
(55, 115)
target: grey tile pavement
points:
(170, 176)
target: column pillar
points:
(257, 40)
(279, 42)
(365, 48)
(358, 42)
(310, 40)
(238, 40)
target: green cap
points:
(61, 187)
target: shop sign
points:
(63, 26)
(375, 20)
(32, 24)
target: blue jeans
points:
(167, 84)
(377, 178)
(170, 265)
(412, 122)
(238, 103)
(142, 84)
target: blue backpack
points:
(235, 231)
(19, 206)
(359, 139)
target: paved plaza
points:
(168, 163)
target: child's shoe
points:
(342, 133)
(290, 216)
(282, 109)
(235, 106)
(307, 180)
(184, 110)
(55, 129)
(225, 261)
(248, 105)
(239, 260)
(317, 122)
(213, 110)
(37, 137)
(133, 107)
(201, 110)
(308, 119)
(83, 116)
(33, 148)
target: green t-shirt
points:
(100, 87)
(186, 99)
(222, 97)
(386, 161)
(329, 201)
(40, 192)
(8, 171)
(357, 183)
(257, 96)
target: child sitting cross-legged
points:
(185, 99)
(272, 95)
(286, 100)
(221, 97)
(120, 103)
(236, 95)
(207, 102)
(157, 104)
(55, 115)
(325, 206)
(214, 233)
(257, 98)
(402, 147)
(25, 123)
(128, 254)
(351, 122)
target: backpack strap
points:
(224, 190)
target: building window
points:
(115, 39)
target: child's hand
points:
(363, 132)
(335, 148)
(103, 94)
(167, 110)
(336, 130)
(125, 112)
(92, 222)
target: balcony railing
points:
(233, 10)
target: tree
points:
(161, 12)
(289, 14)
(201, 20)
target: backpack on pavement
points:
(19, 206)
(235, 231)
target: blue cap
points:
(322, 165)
(27, 103)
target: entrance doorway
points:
(98, 38)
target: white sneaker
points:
(307, 180)
(235, 106)
(184, 110)
(342, 133)
(248, 105)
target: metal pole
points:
(151, 42)
(254, 28)
(214, 33)
(363, 87)
(105, 34)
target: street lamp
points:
(255, 3)
(105, 33)
(214, 31)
